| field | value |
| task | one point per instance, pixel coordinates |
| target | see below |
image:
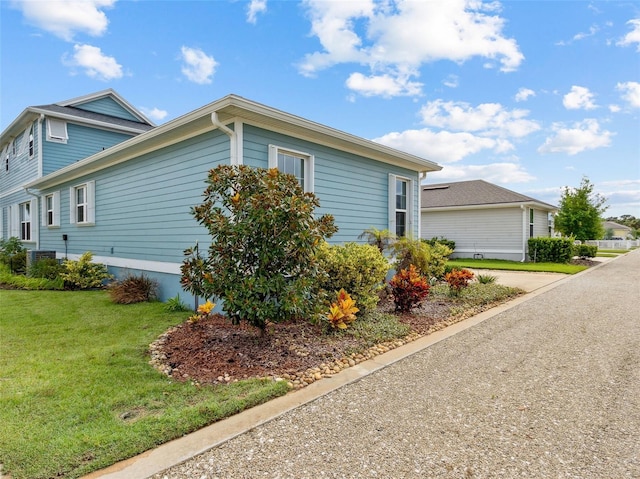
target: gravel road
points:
(547, 389)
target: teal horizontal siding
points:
(83, 142)
(143, 205)
(352, 188)
(22, 169)
(107, 106)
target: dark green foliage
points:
(48, 268)
(585, 251)
(486, 278)
(448, 243)
(175, 304)
(550, 250)
(13, 254)
(359, 269)
(133, 289)
(579, 213)
(264, 236)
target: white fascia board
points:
(79, 120)
(302, 128)
(542, 206)
(232, 108)
(103, 93)
(18, 125)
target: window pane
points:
(292, 165)
(80, 196)
(401, 195)
(401, 223)
(80, 214)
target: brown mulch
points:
(212, 350)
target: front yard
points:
(77, 392)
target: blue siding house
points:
(129, 204)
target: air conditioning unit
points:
(37, 255)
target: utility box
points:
(37, 255)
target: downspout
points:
(35, 221)
(524, 233)
(233, 138)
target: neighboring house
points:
(484, 220)
(44, 139)
(130, 204)
(617, 230)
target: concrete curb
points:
(180, 450)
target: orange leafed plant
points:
(343, 311)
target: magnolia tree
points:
(264, 235)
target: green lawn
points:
(77, 392)
(516, 265)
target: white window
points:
(57, 130)
(25, 221)
(400, 205)
(82, 204)
(531, 217)
(296, 163)
(51, 210)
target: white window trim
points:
(309, 163)
(33, 210)
(1, 223)
(392, 204)
(90, 214)
(60, 137)
(56, 210)
(24, 143)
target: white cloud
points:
(198, 67)
(524, 94)
(443, 146)
(383, 85)
(154, 113)
(579, 98)
(96, 64)
(630, 92)
(254, 8)
(614, 108)
(501, 173)
(393, 38)
(489, 119)
(585, 135)
(65, 18)
(633, 36)
(452, 81)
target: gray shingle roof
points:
(91, 116)
(469, 193)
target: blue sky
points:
(530, 95)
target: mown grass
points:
(77, 392)
(516, 265)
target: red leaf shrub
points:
(408, 288)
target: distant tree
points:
(580, 211)
(627, 220)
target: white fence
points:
(614, 244)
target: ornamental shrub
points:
(429, 260)
(133, 289)
(585, 251)
(408, 288)
(264, 236)
(358, 268)
(550, 250)
(447, 242)
(48, 268)
(83, 274)
(13, 254)
(458, 279)
(342, 311)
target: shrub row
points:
(550, 250)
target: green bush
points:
(585, 251)
(550, 250)
(359, 269)
(175, 304)
(83, 274)
(264, 235)
(48, 268)
(13, 254)
(435, 240)
(429, 260)
(133, 289)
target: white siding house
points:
(484, 220)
